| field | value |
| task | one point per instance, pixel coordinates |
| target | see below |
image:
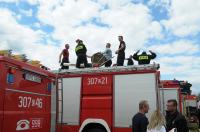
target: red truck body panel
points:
(1, 98)
(96, 99)
(173, 84)
(25, 100)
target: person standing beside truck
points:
(144, 58)
(140, 121)
(121, 51)
(198, 104)
(174, 119)
(81, 51)
(157, 122)
(65, 57)
(198, 111)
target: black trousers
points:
(81, 58)
(120, 59)
(108, 63)
(64, 60)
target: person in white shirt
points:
(108, 54)
(157, 122)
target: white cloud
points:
(133, 21)
(179, 64)
(70, 13)
(114, 3)
(31, 2)
(9, 1)
(161, 3)
(177, 47)
(184, 17)
(28, 13)
(182, 68)
(23, 40)
(37, 25)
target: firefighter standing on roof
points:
(121, 52)
(108, 54)
(65, 59)
(144, 58)
(81, 51)
(130, 61)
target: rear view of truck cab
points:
(25, 97)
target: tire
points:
(96, 130)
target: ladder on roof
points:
(110, 69)
(60, 103)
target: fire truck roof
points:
(109, 69)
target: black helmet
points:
(144, 53)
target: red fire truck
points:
(191, 111)
(25, 97)
(77, 100)
(105, 99)
(190, 105)
(170, 89)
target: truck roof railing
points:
(108, 69)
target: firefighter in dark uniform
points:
(121, 52)
(130, 61)
(65, 58)
(81, 51)
(144, 58)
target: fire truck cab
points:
(105, 99)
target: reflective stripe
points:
(78, 48)
(143, 57)
(20, 91)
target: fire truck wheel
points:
(96, 130)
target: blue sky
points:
(40, 28)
